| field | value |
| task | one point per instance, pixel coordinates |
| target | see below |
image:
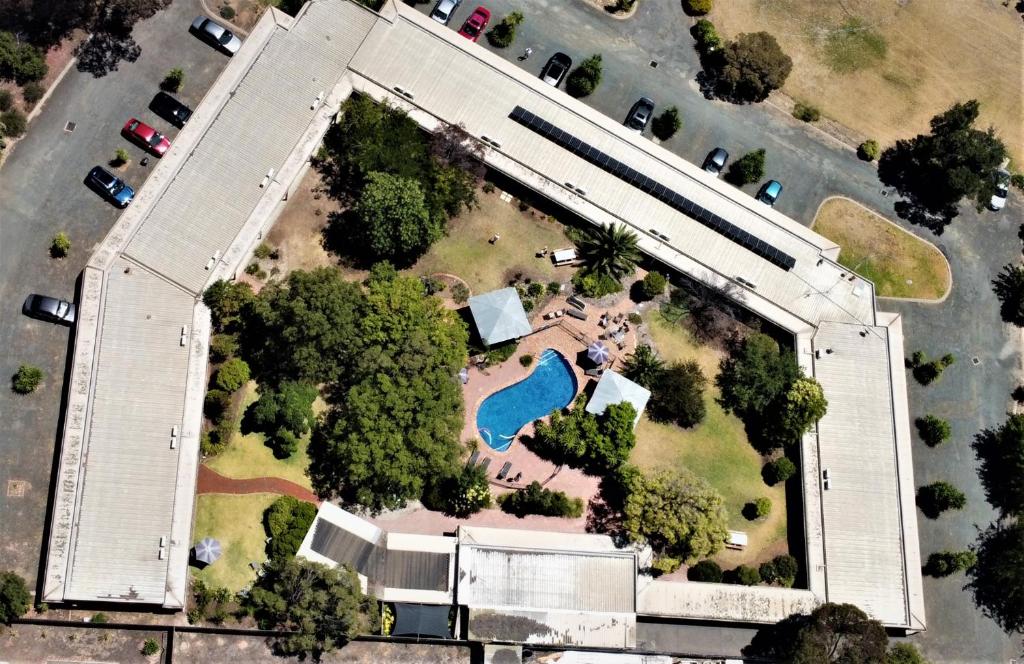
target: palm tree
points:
(610, 250)
(643, 366)
(1009, 288)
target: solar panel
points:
(659, 190)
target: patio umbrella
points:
(597, 352)
(208, 550)
(464, 375)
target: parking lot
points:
(42, 192)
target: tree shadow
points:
(104, 52)
(905, 168)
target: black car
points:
(170, 109)
(49, 309)
(555, 70)
(640, 115)
(109, 186)
(715, 161)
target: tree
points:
(232, 375)
(580, 439)
(504, 33)
(286, 522)
(697, 7)
(226, 300)
(393, 218)
(937, 497)
(1009, 288)
(651, 286)
(747, 169)
(678, 395)
(945, 563)
(748, 69)
(26, 379)
(935, 171)
(928, 371)
(743, 575)
(997, 579)
(802, 406)
(757, 508)
(642, 366)
(806, 112)
(781, 569)
(283, 414)
(20, 62)
(1000, 453)
(13, 123)
(535, 499)
(933, 430)
(869, 150)
(707, 571)
(776, 471)
(706, 35)
(460, 495)
(610, 250)
(904, 653)
(60, 246)
(320, 607)
(754, 375)
(833, 633)
(585, 78)
(223, 346)
(676, 512)
(14, 597)
(667, 124)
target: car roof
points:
(103, 175)
(773, 187)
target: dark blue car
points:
(110, 186)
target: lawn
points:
(883, 252)
(467, 253)
(716, 450)
(884, 68)
(237, 522)
(247, 457)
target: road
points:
(42, 193)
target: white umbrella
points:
(598, 352)
(464, 375)
(208, 550)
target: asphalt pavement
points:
(41, 193)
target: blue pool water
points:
(551, 386)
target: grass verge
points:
(237, 522)
(883, 252)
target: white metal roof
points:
(499, 316)
(615, 388)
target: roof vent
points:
(316, 102)
(267, 178)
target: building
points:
(615, 388)
(499, 316)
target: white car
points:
(443, 11)
(1002, 190)
(216, 35)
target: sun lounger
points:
(579, 315)
(504, 470)
(486, 462)
(473, 458)
(576, 302)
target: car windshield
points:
(470, 29)
(155, 139)
(635, 122)
(133, 125)
(226, 37)
(1002, 189)
(62, 308)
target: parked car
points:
(769, 192)
(998, 199)
(148, 138)
(476, 24)
(555, 70)
(216, 35)
(170, 109)
(715, 161)
(640, 115)
(443, 11)
(49, 309)
(110, 186)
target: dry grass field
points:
(885, 67)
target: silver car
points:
(998, 200)
(216, 35)
(443, 11)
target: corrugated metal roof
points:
(615, 388)
(499, 316)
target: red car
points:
(146, 136)
(475, 24)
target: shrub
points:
(706, 570)
(150, 647)
(32, 93)
(460, 292)
(173, 81)
(210, 445)
(706, 35)
(554, 288)
(806, 112)
(286, 522)
(747, 169)
(501, 352)
(757, 509)
(232, 375)
(933, 431)
(748, 69)
(869, 150)
(460, 495)
(927, 372)
(227, 12)
(26, 379)
(223, 346)
(216, 404)
(585, 78)
(121, 157)
(488, 188)
(945, 563)
(665, 564)
(776, 471)
(504, 33)
(744, 575)
(14, 123)
(526, 360)
(590, 284)
(634, 318)
(667, 124)
(263, 251)
(535, 499)
(536, 289)
(100, 619)
(697, 7)
(252, 268)
(6, 100)
(937, 497)
(283, 443)
(433, 285)
(651, 286)
(1018, 394)
(781, 569)
(60, 246)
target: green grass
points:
(237, 522)
(466, 252)
(882, 252)
(247, 457)
(854, 46)
(716, 450)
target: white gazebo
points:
(615, 388)
(499, 316)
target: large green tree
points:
(393, 220)
(755, 375)
(283, 413)
(801, 407)
(997, 579)
(643, 366)
(749, 68)
(14, 597)
(226, 301)
(1000, 454)
(832, 634)
(575, 437)
(1009, 288)
(676, 512)
(317, 608)
(609, 251)
(287, 520)
(678, 395)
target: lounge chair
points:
(579, 315)
(473, 458)
(504, 470)
(486, 462)
(576, 302)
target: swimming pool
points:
(551, 386)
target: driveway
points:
(42, 193)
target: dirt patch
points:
(885, 68)
(245, 12)
(899, 263)
(611, 8)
